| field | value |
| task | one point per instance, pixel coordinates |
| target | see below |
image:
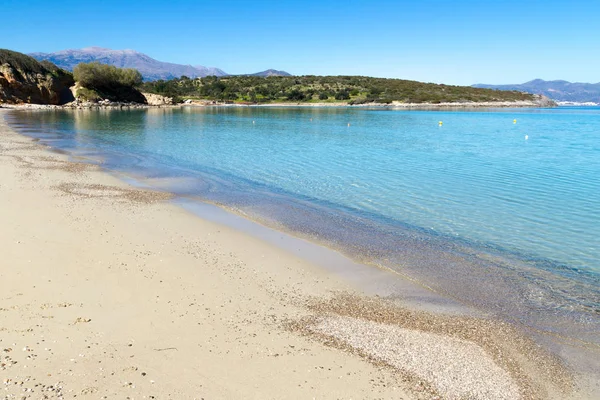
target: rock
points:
(157, 100)
(543, 101)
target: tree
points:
(342, 95)
(296, 95)
(109, 82)
(101, 76)
(129, 77)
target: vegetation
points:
(107, 81)
(21, 61)
(86, 94)
(351, 89)
(96, 81)
(101, 76)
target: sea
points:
(498, 209)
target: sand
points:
(108, 291)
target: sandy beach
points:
(108, 291)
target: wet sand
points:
(108, 291)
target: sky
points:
(459, 42)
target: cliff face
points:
(25, 80)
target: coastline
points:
(208, 103)
(424, 106)
(230, 299)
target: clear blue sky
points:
(454, 42)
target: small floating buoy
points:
(440, 123)
(348, 124)
(252, 121)
(514, 121)
(526, 137)
(311, 120)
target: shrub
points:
(360, 100)
(374, 92)
(323, 96)
(296, 95)
(109, 82)
(100, 76)
(88, 95)
(342, 95)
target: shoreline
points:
(94, 196)
(424, 106)
(209, 103)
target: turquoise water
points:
(498, 214)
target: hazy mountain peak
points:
(95, 48)
(558, 90)
(150, 68)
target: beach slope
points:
(108, 291)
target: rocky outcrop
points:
(25, 80)
(157, 99)
(544, 101)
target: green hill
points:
(350, 89)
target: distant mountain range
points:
(556, 90)
(150, 68)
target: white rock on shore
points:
(157, 100)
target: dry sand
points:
(112, 292)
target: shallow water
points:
(500, 215)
